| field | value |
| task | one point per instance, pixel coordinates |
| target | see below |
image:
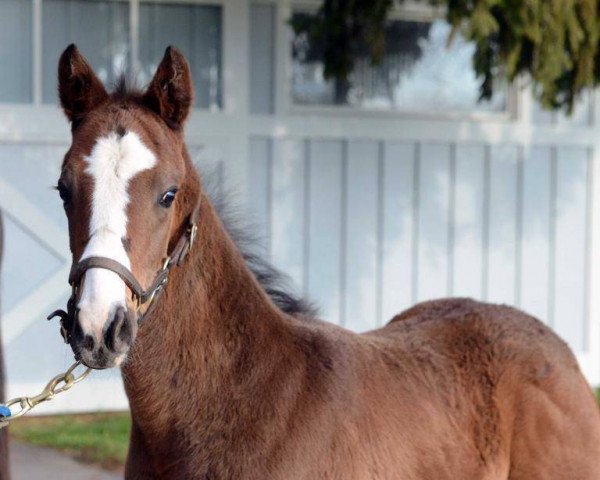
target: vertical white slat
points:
(262, 52)
(535, 234)
(234, 84)
(591, 362)
(502, 245)
(259, 188)
(361, 236)
(570, 247)
(433, 222)
(325, 227)
(469, 221)
(288, 224)
(398, 210)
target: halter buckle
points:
(137, 299)
(193, 230)
(155, 291)
(150, 299)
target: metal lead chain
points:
(60, 383)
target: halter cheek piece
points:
(141, 296)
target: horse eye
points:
(63, 192)
(167, 199)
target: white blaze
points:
(113, 162)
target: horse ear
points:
(79, 88)
(170, 93)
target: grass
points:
(100, 438)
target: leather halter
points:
(78, 270)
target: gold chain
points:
(60, 383)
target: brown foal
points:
(228, 379)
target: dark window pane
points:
(15, 51)
(99, 28)
(196, 31)
(262, 58)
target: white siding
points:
(570, 254)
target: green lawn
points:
(100, 438)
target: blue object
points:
(4, 411)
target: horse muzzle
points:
(100, 351)
(111, 347)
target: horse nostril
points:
(119, 331)
(78, 334)
(88, 342)
(124, 333)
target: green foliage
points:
(101, 438)
(341, 29)
(552, 42)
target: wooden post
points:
(4, 467)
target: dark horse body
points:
(4, 472)
(229, 378)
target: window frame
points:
(410, 11)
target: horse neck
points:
(213, 329)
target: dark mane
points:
(126, 90)
(275, 283)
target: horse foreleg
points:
(557, 432)
(138, 465)
(4, 470)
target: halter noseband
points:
(78, 270)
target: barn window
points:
(115, 36)
(419, 72)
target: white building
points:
(396, 188)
